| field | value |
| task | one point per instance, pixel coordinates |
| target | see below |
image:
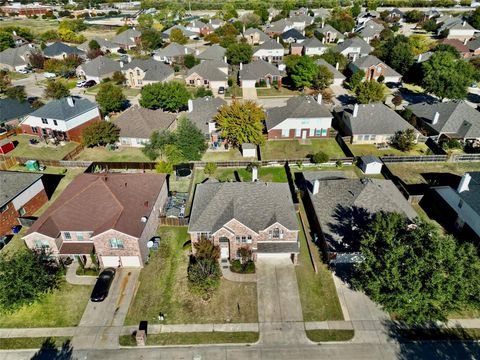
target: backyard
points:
(370, 149)
(40, 151)
(123, 153)
(164, 288)
(272, 174)
(231, 154)
(288, 149)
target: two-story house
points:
(271, 51)
(374, 68)
(353, 48)
(140, 72)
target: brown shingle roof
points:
(76, 248)
(138, 122)
(99, 202)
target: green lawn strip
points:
(370, 149)
(16, 76)
(466, 313)
(329, 335)
(62, 307)
(276, 92)
(194, 338)
(438, 334)
(287, 149)
(31, 342)
(164, 288)
(217, 155)
(123, 154)
(40, 151)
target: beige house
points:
(141, 72)
(212, 74)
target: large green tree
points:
(239, 53)
(170, 96)
(100, 133)
(302, 70)
(323, 79)
(414, 272)
(341, 20)
(110, 97)
(241, 123)
(56, 89)
(16, 92)
(370, 91)
(398, 53)
(475, 18)
(190, 140)
(151, 39)
(6, 40)
(176, 35)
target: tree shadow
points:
(415, 98)
(291, 183)
(346, 99)
(474, 98)
(49, 351)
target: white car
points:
(80, 83)
(23, 71)
(49, 75)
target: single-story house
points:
(21, 194)
(338, 77)
(353, 48)
(15, 59)
(199, 27)
(278, 27)
(201, 111)
(254, 215)
(271, 51)
(105, 45)
(457, 28)
(312, 47)
(214, 52)
(98, 69)
(258, 70)
(187, 33)
(302, 117)
(140, 72)
(111, 214)
(292, 36)
(128, 39)
(12, 111)
(212, 74)
(370, 30)
(59, 50)
(173, 53)
(375, 68)
(137, 124)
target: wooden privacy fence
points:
(173, 221)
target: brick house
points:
(21, 194)
(258, 71)
(302, 117)
(374, 68)
(62, 119)
(112, 214)
(259, 216)
(140, 72)
(211, 74)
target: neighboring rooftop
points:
(100, 66)
(13, 109)
(203, 111)
(209, 70)
(336, 73)
(154, 70)
(60, 109)
(173, 49)
(214, 52)
(15, 56)
(139, 122)
(258, 69)
(12, 183)
(364, 62)
(354, 43)
(127, 37)
(59, 48)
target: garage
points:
(279, 256)
(130, 261)
(110, 261)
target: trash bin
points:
(32, 165)
(16, 229)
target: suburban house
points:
(329, 34)
(353, 48)
(216, 23)
(201, 112)
(367, 15)
(113, 215)
(461, 46)
(212, 74)
(141, 72)
(452, 119)
(173, 53)
(62, 119)
(474, 46)
(105, 45)
(396, 15)
(301, 11)
(464, 201)
(312, 47)
(370, 30)
(128, 39)
(12, 111)
(279, 27)
(21, 194)
(271, 51)
(187, 33)
(60, 51)
(255, 36)
(375, 68)
(15, 59)
(303, 117)
(258, 70)
(255, 215)
(300, 22)
(340, 209)
(98, 69)
(321, 13)
(199, 27)
(457, 28)
(338, 77)
(214, 52)
(292, 36)
(137, 124)
(373, 123)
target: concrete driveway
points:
(249, 93)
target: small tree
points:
(302, 70)
(323, 79)
(94, 53)
(56, 89)
(110, 97)
(164, 167)
(6, 40)
(16, 92)
(189, 61)
(4, 80)
(118, 78)
(93, 45)
(210, 168)
(176, 35)
(404, 140)
(36, 59)
(370, 91)
(397, 100)
(320, 157)
(203, 270)
(355, 79)
(202, 91)
(239, 53)
(170, 96)
(100, 133)
(190, 139)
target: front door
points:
(224, 248)
(304, 134)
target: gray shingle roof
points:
(279, 26)
(257, 205)
(474, 44)
(214, 52)
(329, 28)
(355, 42)
(138, 122)
(278, 247)
(12, 183)
(59, 48)
(183, 29)
(268, 45)
(292, 33)
(365, 62)
(209, 70)
(60, 110)
(154, 70)
(204, 109)
(15, 56)
(104, 43)
(374, 119)
(370, 29)
(126, 37)
(258, 69)
(299, 107)
(13, 109)
(173, 50)
(340, 201)
(456, 23)
(262, 36)
(472, 196)
(313, 43)
(336, 74)
(100, 66)
(455, 117)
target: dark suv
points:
(104, 281)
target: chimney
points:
(319, 98)
(241, 66)
(186, 50)
(190, 105)
(463, 186)
(337, 65)
(435, 118)
(316, 186)
(224, 59)
(121, 64)
(419, 58)
(465, 42)
(303, 32)
(278, 39)
(354, 57)
(244, 28)
(323, 23)
(70, 101)
(464, 23)
(355, 110)
(254, 174)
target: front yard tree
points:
(171, 96)
(355, 79)
(151, 39)
(414, 272)
(239, 53)
(176, 35)
(302, 71)
(190, 139)
(204, 270)
(323, 79)
(16, 92)
(25, 278)
(4, 80)
(56, 89)
(110, 97)
(6, 40)
(241, 123)
(398, 53)
(118, 78)
(404, 140)
(370, 91)
(397, 100)
(100, 133)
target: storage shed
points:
(6, 146)
(249, 150)
(371, 164)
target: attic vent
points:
(143, 219)
(125, 184)
(145, 203)
(351, 192)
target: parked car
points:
(24, 71)
(81, 83)
(102, 286)
(221, 90)
(90, 83)
(49, 75)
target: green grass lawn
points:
(284, 149)
(180, 185)
(123, 153)
(31, 343)
(131, 92)
(268, 174)
(37, 26)
(231, 154)
(16, 75)
(61, 307)
(329, 335)
(194, 338)
(164, 287)
(234, 90)
(370, 149)
(283, 91)
(39, 151)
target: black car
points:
(104, 281)
(90, 83)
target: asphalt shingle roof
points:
(173, 50)
(204, 110)
(104, 43)
(12, 183)
(365, 62)
(214, 52)
(209, 70)
(292, 33)
(13, 109)
(183, 29)
(262, 36)
(336, 74)
(138, 122)
(279, 26)
(126, 37)
(60, 110)
(370, 29)
(313, 43)
(258, 69)
(59, 48)
(354, 42)
(100, 66)
(329, 28)
(15, 56)
(268, 45)
(472, 196)
(154, 70)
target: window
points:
(4, 208)
(244, 239)
(140, 82)
(305, 122)
(366, 137)
(285, 132)
(298, 132)
(34, 129)
(205, 82)
(138, 72)
(67, 236)
(460, 204)
(80, 236)
(324, 132)
(318, 132)
(238, 254)
(22, 211)
(55, 122)
(276, 233)
(192, 82)
(44, 121)
(312, 132)
(373, 137)
(116, 244)
(249, 239)
(237, 240)
(41, 244)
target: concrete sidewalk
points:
(72, 277)
(231, 276)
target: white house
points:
(270, 51)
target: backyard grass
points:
(370, 149)
(268, 174)
(283, 91)
(194, 338)
(329, 335)
(62, 307)
(180, 185)
(32, 342)
(164, 288)
(123, 153)
(231, 154)
(285, 149)
(39, 151)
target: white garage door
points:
(130, 261)
(110, 261)
(274, 256)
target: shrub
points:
(210, 168)
(164, 167)
(320, 157)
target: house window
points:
(238, 254)
(324, 132)
(80, 236)
(205, 82)
(192, 82)
(140, 82)
(366, 137)
(373, 137)
(22, 211)
(249, 239)
(312, 132)
(34, 129)
(138, 72)
(298, 132)
(44, 121)
(460, 204)
(67, 236)
(244, 239)
(285, 132)
(318, 132)
(41, 244)
(237, 240)
(116, 244)
(276, 233)
(4, 208)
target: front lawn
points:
(282, 92)
(164, 288)
(123, 153)
(194, 338)
(40, 151)
(31, 342)
(62, 307)
(370, 149)
(288, 149)
(329, 335)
